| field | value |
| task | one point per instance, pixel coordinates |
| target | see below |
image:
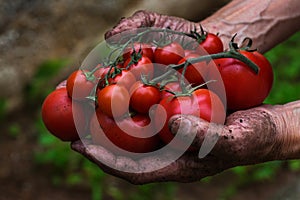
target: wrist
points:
(286, 119)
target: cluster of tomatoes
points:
(128, 103)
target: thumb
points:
(206, 135)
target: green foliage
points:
(3, 108)
(229, 192)
(39, 86)
(294, 165)
(67, 167)
(14, 130)
(154, 191)
(286, 64)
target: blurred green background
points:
(36, 165)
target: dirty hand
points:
(252, 136)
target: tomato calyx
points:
(199, 37)
(135, 57)
(233, 46)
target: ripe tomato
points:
(143, 66)
(113, 100)
(105, 129)
(125, 78)
(101, 71)
(202, 103)
(59, 115)
(142, 97)
(196, 72)
(172, 87)
(169, 54)
(212, 44)
(188, 52)
(79, 85)
(146, 50)
(244, 88)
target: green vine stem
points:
(232, 53)
(227, 54)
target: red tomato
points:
(169, 54)
(146, 50)
(212, 44)
(172, 87)
(143, 66)
(79, 85)
(196, 72)
(203, 103)
(125, 78)
(188, 52)
(119, 133)
(59, 115)
(113, 100)
(245, 89)
(101, 71)
(142, 97)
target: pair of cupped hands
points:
(248, 137)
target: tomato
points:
(62, 84)
(202, 103)
(80, 85)
(188, 52)
(245, 89)
(169, 54)
(113, 100)
(143, 66)
(172, 87)
(146, 50)
(101, 71)
(212, 44)
(142, 97)
(118, 133)
(59, 115)
(125, 78)
(196, 72)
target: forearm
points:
(267, 22)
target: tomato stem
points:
(226, 54)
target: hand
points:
(252, 136)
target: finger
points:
(201, 132)
(185, 169)
(142, 19)
(145, 169)
(248, 136)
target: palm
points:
(252, 136)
